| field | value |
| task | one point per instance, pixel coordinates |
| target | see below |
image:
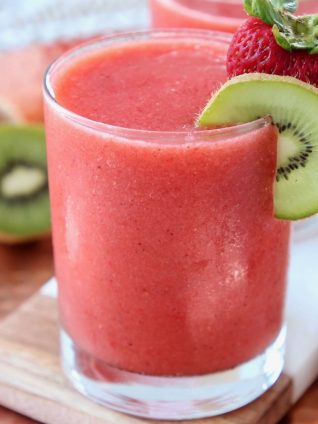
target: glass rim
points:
(141, 134)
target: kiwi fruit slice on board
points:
(24, 200)
(293, 106)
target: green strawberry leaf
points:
(270, 11)
(299, 32)
(291, 32)
(281, 39)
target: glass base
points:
(173, 398)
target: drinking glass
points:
(170, 265)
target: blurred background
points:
(26, 21)
(32, 34)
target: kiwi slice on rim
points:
(24, 200)
(293, 106)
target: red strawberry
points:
(254, 48)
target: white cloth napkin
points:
(302, 308)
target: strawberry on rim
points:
(274, 41)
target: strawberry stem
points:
(270, 11)
(291, 32)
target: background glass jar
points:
(219, 15)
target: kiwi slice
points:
(24, 200)
(293, 106)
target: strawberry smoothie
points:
(219, 15)
(168, 258)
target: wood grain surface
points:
(23, 269)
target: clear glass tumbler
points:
(170, 266)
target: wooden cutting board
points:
(32, 383)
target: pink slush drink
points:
(168, 258)
(218, 15)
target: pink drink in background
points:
(168, 258)
(220, 15)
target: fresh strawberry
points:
(304, 66)
(273, 41)
(254, 49)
